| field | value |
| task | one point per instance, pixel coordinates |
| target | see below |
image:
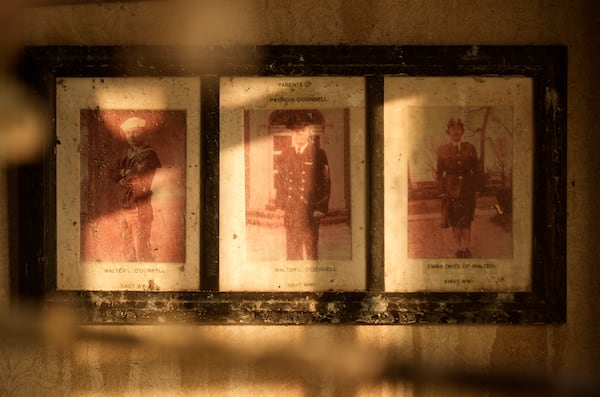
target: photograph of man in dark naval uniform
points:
(134, 174)
(303, 188)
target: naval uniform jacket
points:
(303, 184)
(136, 171)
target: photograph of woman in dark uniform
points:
(303, 189)
(134, 173)
(458, 179)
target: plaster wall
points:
(177, 361)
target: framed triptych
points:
(296, 184)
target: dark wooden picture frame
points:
(32, 190)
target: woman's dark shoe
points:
(467, 253)
(460, 254)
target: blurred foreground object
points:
(57, 327)
(22, 125)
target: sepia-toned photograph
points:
(133, 186)
(460, 183)
(458, 166)
(297, 187)
(292, 177)
(128, 193)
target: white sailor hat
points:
(133, 123)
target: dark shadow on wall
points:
(584, 206)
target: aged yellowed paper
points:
(458, 166)
(292, 180)
(128, 190)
